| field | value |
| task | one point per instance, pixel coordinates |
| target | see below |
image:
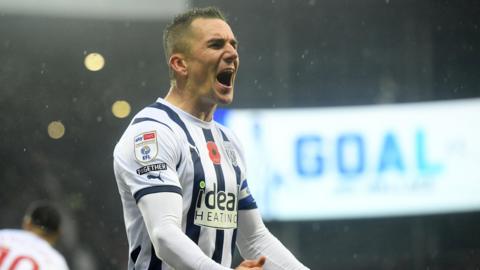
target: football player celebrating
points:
(181, 175)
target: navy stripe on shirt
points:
(134, 254)
(156, 189)
(175, 118)
(238, 177)
(143, 119)
(220, 234)
(248, 202)
(155, 262)
(192, 230)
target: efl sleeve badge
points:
(146, 147)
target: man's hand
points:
(252, 264)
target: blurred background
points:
(364, 115)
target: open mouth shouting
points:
(225, 78)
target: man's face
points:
(212, 61)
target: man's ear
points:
(178, 64)
(27, 224)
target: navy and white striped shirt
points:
(165, 149)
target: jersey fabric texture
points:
(21, 249)
(165, 149)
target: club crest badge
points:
(231, 154)
(146, 148)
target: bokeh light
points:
(121, 108)
(56, 130)
(94, 62)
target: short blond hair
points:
(174, 40)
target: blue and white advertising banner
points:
(363, 161)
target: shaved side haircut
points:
(176, 33)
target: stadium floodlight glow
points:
(94, 61)
(56, 130)
(121, 108)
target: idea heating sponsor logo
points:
(217, 209)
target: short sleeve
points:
(146, 158)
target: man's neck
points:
(191, 104)
(50, 238)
